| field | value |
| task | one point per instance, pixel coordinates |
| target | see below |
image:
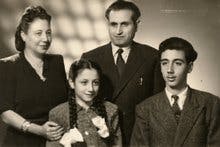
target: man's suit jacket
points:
(141, 79)
(199, 123)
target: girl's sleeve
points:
(60, 115)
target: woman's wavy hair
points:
(98, 102)
(30, 14)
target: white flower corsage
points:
(99, 122)
(70, 137)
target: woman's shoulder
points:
(53, 57)
(9, 65)
(11, 59)
(55, 61)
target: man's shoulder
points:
(144, 47)
(97, 50)
(139, 46)
(145, 51)
(150, 101)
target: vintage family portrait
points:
(122, 73)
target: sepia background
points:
(79, 26)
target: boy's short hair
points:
(176, 43)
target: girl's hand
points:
(52, 131)
(99, 122)
(71, 137)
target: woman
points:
(88, 119)
(31, 82)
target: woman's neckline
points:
(36, 63)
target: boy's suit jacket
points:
(140, 80)
(199, 123)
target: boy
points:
(180, 115)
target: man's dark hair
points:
(122, 5)
(175, 43)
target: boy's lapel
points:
(189, 115)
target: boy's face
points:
(175, 69)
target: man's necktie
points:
(120, 63)
(176, 108)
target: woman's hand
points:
(52, 131)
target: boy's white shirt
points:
(182, 97)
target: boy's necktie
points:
(176, 108)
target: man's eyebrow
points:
(164, 59)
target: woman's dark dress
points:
(22, 91)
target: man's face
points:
(175, 69)
(122, 29)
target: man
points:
(180, 115)
(129, 67)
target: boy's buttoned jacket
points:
(199, 123)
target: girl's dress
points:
(60, 115)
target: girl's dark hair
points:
(30, 14)
(98, 102)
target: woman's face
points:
(38, 36)
(86, 85)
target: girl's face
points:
(86, 85)
(38, 37)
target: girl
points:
(86, 116)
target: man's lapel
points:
(109, 64)
(189, 115)
(134, 62)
